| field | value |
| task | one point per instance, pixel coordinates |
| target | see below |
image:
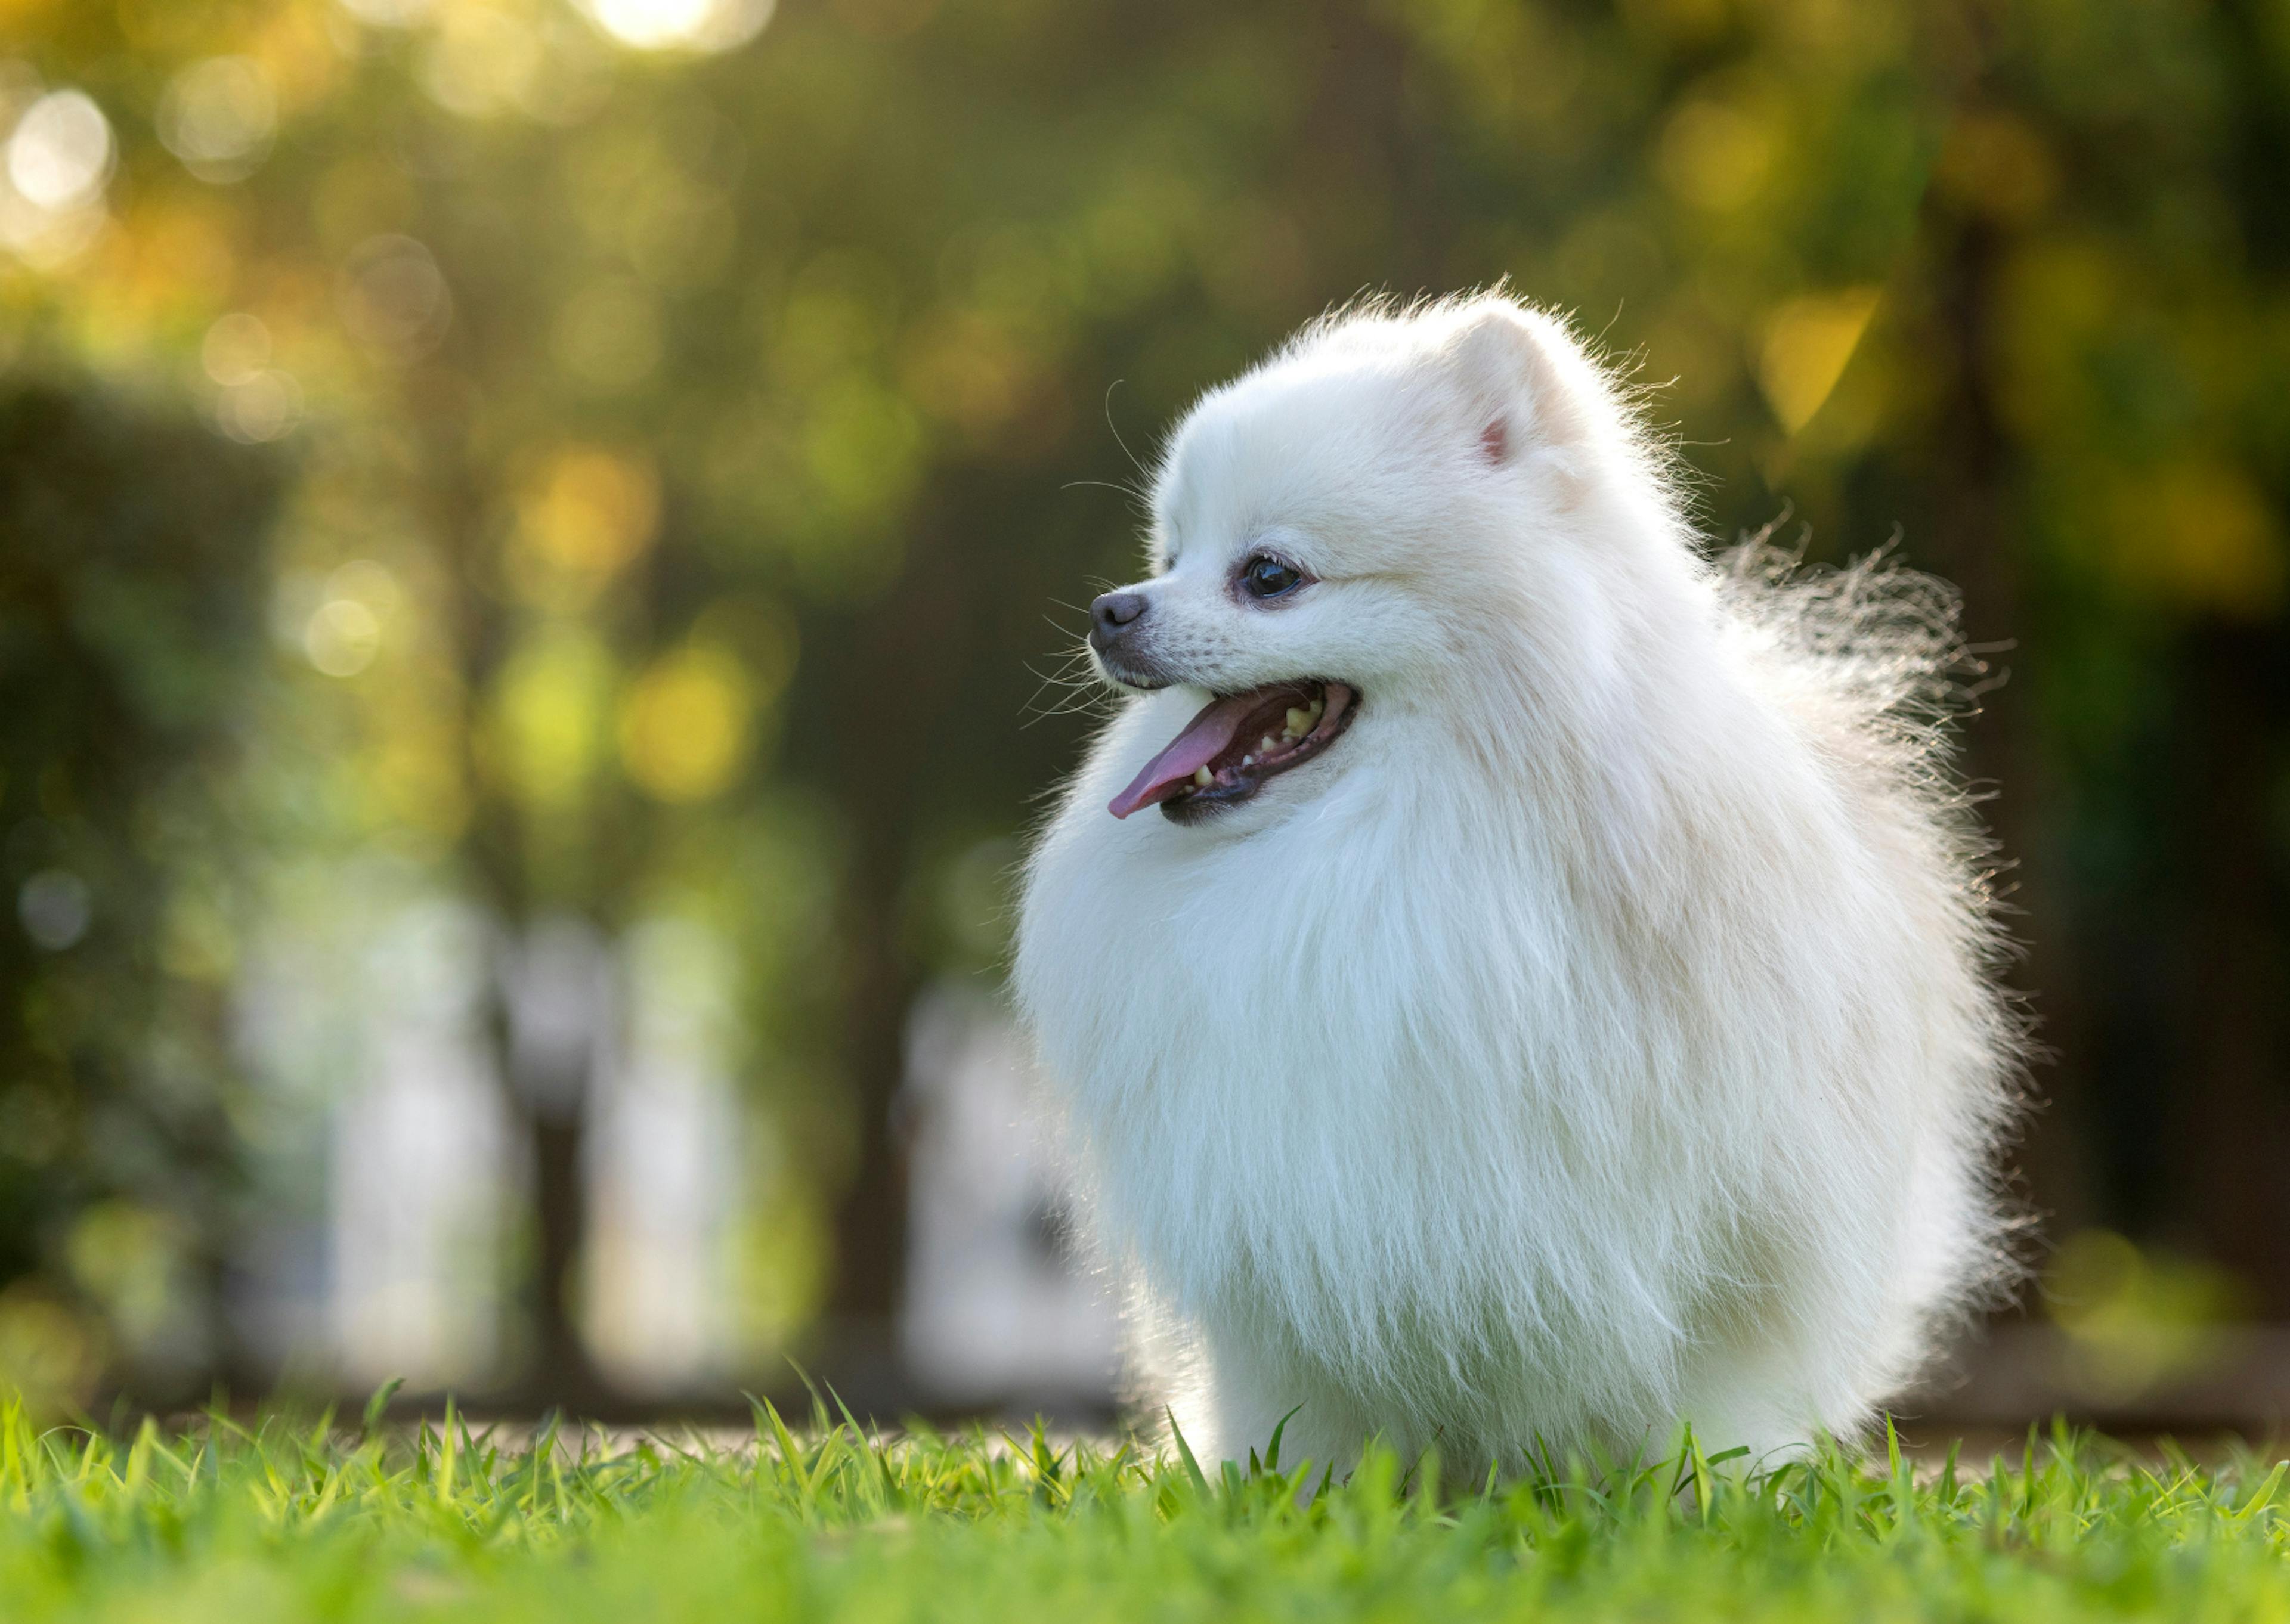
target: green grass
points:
(305, 1521)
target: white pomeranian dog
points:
(1514, 983)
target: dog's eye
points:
(1265, 576)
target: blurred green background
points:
(536, 541)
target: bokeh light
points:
(684, 728)
(60, 153)
(57, 151)
(343, 638)
(551, 706)
(480, 60)
(255, 402)
(388, 13)
(364, 580)
(237, 347)
(56, 907)
(219, 117)
(394, 298)
(583, 516)
(694, 25)
(265, 406)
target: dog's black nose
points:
(1112, 613)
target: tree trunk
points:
(871, 1225)
(558, 1003)
(2237, 1118)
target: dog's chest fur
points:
(1362, 1082)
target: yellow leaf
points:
(1807, 342)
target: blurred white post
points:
(664, 1152)
(373, 1018)
(998, 1306)
(419, 1158)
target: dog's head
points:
(1363, 523)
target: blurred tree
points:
(131, 574)
(696, 417)
(2098, 296)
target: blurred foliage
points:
(696, 407)
(2136, 1318)
(130, 636)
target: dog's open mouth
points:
(1227, 752)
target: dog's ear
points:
(1513, 366)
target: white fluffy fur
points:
(1600, 1036)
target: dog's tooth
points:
(1265, 744)
(1204, 777)
(1299, 722)
(1248, 761)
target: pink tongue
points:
(1204, 737)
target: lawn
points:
(306, 1520)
